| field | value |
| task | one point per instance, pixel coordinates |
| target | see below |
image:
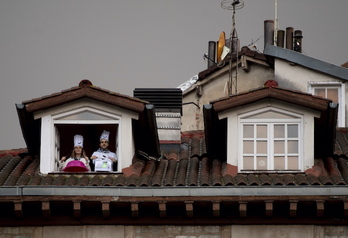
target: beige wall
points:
(214, 87)
(234, 231)
(296, 77)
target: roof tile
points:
(159, 173)
(182, 171)
(170, 173)
(196, 170)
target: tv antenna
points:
(233, 5)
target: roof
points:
(282, 94)
(255, 55)
(183, 188)
(306, 61)
(84, 89)
(189, 167)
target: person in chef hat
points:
(78, 153)
(103, 158)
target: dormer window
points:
(88, 118)
(270, 129)
(271, 140)
(50, 123)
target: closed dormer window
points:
(270, 129)
(271, 140)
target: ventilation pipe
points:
(280, 38)
(268, 32)
(298, 41)
(289, 38)
(211, 53)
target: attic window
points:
(270, 140)
(334, 91)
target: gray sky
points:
(50, 45)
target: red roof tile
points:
(175, 170)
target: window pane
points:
(293, 131)
(293, 146)
(248, 131)
(332, 93)
(279, 162)
(261, 131)
(279, 147)
(279, 131)
(293, 162)
(248, 162)
(248, 147)
(320, 92)
(261, 147)
(261, 162)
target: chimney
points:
(280, 38)
(298, 41)
(289, 38)
(268, 32)
(211, 53)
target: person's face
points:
(104, 144)
(78, 150)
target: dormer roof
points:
(85, 89)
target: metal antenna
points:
(233, 5)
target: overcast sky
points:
(50, 45)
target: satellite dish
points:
(220, 47)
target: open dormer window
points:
(89, 123)
(89, 119)
(50, 123)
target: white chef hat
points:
(78, 140)
(105, 135)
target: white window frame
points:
(50, 149)
(294, 118)
(341, 97)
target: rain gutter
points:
(174, 191)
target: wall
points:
(234, 231)
(214, 87)
(295, 77)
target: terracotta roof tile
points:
(253, 180)
(159, 172)
(108, 180)
(277, 179)
(265, 180)
(95, 181)
(132, 181)
(216, 173)
(205, 172)
(8, 169)
(289, 179)
(301, 179)
(170, 173)
(48, 180)
(241, 180)
(36, 180)
(178, 168)
(120, 180)
(193, 172)
(182, 171)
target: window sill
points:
(271, 171)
